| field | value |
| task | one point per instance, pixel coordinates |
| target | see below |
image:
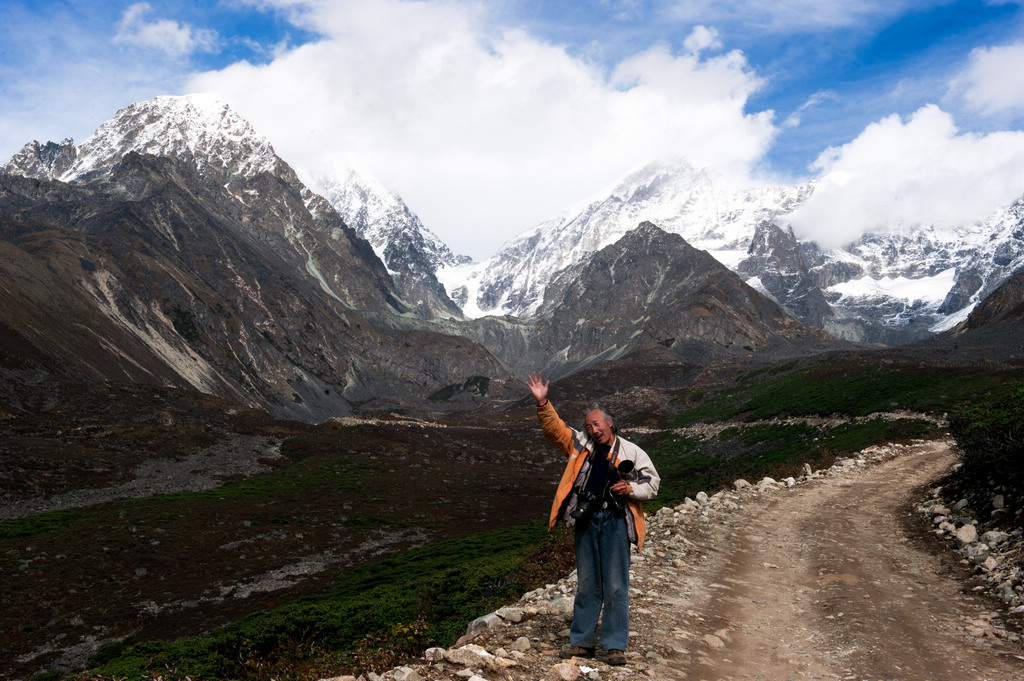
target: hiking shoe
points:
(616, 657)
(570, 652)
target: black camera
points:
(586, 503)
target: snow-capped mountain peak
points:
(411, 252)
(697, 203)
(375, 212)
(199, 128)
(888, 287)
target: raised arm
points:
(539, 387)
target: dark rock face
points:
(649, 298)
(968, 283)
(157, 274)
(774, 257)
(1004, 306)
(43, 161)
(414, 276)
(653, 289)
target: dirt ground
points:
(834, 578)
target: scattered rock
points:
(469, 656)
(967, 534)
(994, 537)
(561, 604)
(406, 674)
(510, 614)
(521, 644)
(714, 642)
(482, 624)
(564, 672)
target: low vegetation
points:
(776, 419)
(849, 388)
(374, 617)
(990, 442)
(768, 422)
(692, 464)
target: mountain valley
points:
(223, 392)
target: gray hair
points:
(594, 406)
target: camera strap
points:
(612, 455)
(611, 472)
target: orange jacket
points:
(577, 445)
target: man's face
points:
(600, 428)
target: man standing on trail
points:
(599, 496)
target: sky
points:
(488, 117)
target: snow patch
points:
(930, 291)
(468, 276)
(952, 320)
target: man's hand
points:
(621, 488)
(539, 387)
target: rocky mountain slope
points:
(653, 296)
(409, 250)
(174, 247)
(194, 256)
(652, 289)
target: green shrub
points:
(990, 437)
(844, 387)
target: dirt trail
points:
(827, 580)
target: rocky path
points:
(824, 582)
(828, 578)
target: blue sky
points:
(488, 117)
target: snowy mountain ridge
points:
(376, 213)
(198, 128)
(411, 252)
(888, 287)
(700, 205)
(926, 277)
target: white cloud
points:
(993, 81)
(898, 173)
(484, 130)
(62, 74)
(702, 38)
(164, 35)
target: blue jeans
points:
(602, 567)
